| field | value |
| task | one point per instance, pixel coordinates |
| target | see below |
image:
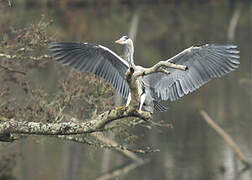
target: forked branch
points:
(159, 67)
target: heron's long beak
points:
(119, 41)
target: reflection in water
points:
(191, 150)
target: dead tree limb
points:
(226, 137)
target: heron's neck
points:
(129, 54)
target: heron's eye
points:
(126, 37)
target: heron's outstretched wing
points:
(95, 59)
(204, 63)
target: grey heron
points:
(203, 64)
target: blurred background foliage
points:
(191, 150)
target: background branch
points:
(124, 170)
(226, 137)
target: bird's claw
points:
(139, 111)
(121, 107)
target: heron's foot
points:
(121, 107)
(139, 111)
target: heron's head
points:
(124, 40)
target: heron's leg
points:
(127, 104)
(128, 100)
(142, 99)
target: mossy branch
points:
(69, 128)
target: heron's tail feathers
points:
(159, 107)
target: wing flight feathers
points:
(204, 63)
(95, 59)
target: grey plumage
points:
(94, 59)
(203, 63)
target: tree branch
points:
(124, 170)
(8, 56)
(159, 67)
(69, 128)
(226, 137)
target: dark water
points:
(191, 149)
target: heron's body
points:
(203, 63)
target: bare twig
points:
(226, 137)
(110, 142)
(124, 170)
(108, 145)
(12, 70)
(125, 150)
